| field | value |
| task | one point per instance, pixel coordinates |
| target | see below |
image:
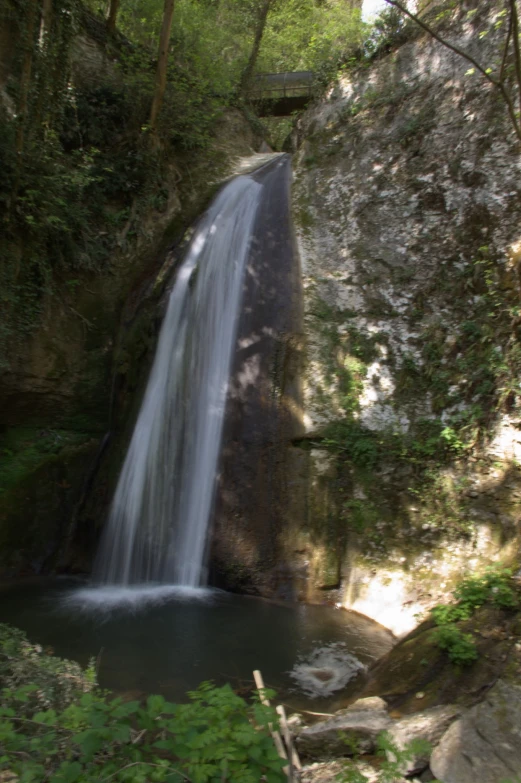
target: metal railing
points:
(289, 84)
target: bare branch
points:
(517, 55)
(443, 41)
(511, 109)
(505, 49)
(147, 764)
(499, 84)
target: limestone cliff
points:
(407, 207)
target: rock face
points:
(74, 371)
(355, 730)
(428, 725)
(407, 209)
(484, 746)
(351, 731)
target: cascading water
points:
(157, 527)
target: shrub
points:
(495, 586)
(43, 680)
(391, 766)
(459, 646)
(84, 735)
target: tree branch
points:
(443, 41)
(514, 20)
(499, 84)
(505, 50)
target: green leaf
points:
(90, 742)
(155, 705)
(48, 718)
(68, 772)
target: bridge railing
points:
(289, 84)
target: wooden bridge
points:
(280, 94)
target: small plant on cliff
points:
(459, 646)
(494, 587)
(390, 768)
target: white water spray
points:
(157, 527)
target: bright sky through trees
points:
(372, 7)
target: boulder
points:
(353, 730)
(484, 746)
(428, 725)
(329, 772)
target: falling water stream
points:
(148, 617)
(157, 528)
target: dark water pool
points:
(167, 640)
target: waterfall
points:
(157, 527)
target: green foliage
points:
(393, 758)
(87, 171)
(475, 368)
(364, 447)
(40, 680)
(494, 587)
(310, 35)
(362, 514)
(88, 736)
(353, 441)
(389, 29)
(459, 646)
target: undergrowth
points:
(392, 758)
(75, 186)
(56, 725)
(495, 587)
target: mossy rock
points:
(41, 484)
(416, 674)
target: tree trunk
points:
(162, 62)
(25, 73)
(112, 16)
(264, 8)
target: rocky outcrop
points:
(481, 746)
(484, 746)
(355, 731)
(429, 726)
(351, 731)
(407, 209)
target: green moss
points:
(416, 665)
(25, 450)
(36, 512)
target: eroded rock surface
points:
(352, 730)
(484, 746)
(406, 189)
(428, 725)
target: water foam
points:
(108, 599)
(325, 670)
